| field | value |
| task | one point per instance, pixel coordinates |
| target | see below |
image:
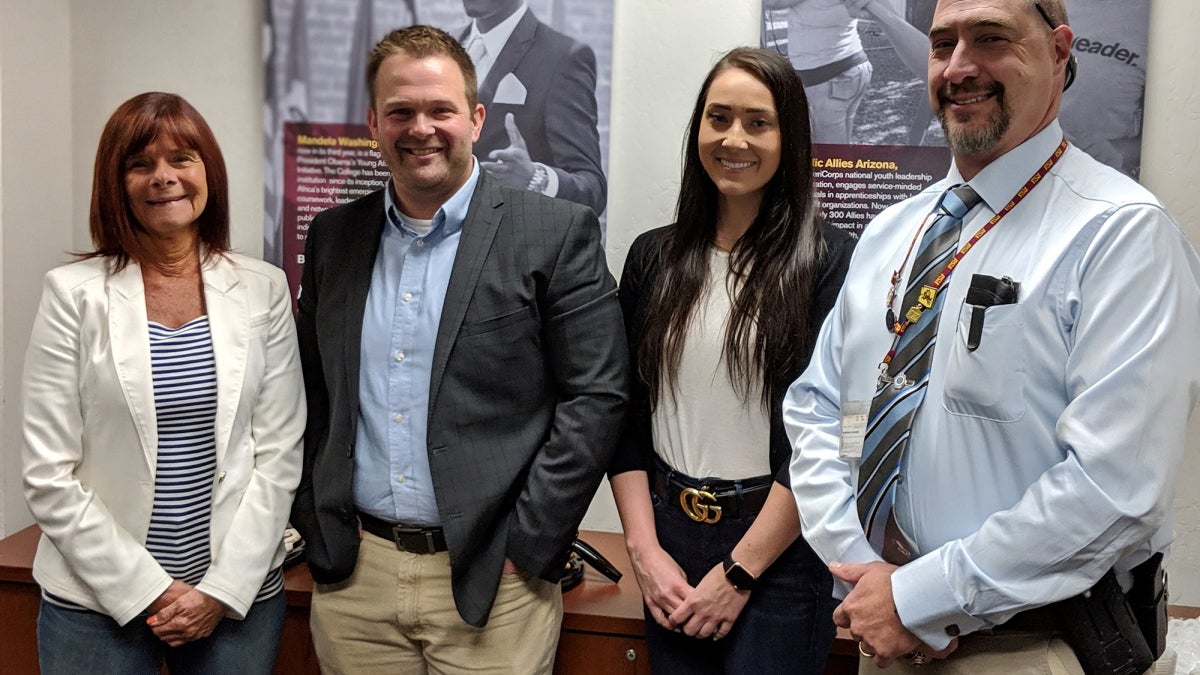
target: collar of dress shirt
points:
(999, 181)
(448, 219)
(495, 39)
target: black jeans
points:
(786, 626)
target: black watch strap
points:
(739, 576)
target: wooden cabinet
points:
(581, 652)
(602, 628)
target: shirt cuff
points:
(551, 189)
(926, 605)
(859, 551)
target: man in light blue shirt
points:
(467, 374)
(1053, 422)
(391, 475)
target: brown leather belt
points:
(710, 501)
(410, 539)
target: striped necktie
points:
(899, 395)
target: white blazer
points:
(91, 440)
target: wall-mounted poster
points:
(544, 69)
(875, 139)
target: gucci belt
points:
(709, 503)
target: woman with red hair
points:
(164, 410)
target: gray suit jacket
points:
(527, 396)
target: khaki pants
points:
(396, 614)
(1005, 654)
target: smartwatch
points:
(739, 576)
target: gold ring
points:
(864, 652)
(918, 658)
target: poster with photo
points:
(876, 141)
(544, 71)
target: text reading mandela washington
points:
(332, 170)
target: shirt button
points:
(952, 630)
(400, 478)
(407, 297)
(420, 243)
(399, 356)
(398, 417)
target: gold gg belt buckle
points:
(700, 505)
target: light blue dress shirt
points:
(392, 480)
(1047, 455)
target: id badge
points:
(854, 429)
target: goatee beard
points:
(974, 141)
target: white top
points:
(821, 32)
(1046, 456)
(705, 430)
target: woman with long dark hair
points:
(722, 308)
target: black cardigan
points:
(636, 450)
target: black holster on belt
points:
(1148, 599)
(1115, 634)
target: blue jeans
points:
(82, 642)
(786, 626)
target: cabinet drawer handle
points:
(630, 655)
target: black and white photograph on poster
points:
(1102, 112)
(544, 72)
(864, 67)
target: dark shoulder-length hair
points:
(773, 266)
(135, 124)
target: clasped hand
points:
(183, 614)
(708, 610)
(869, 613)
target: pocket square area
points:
(510, 91)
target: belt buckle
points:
(399, 531)
(700, 505)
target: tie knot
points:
(476, 49)
(960, 199)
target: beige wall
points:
(36, 194)
(65, 64)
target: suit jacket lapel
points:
(358, 256)
(478, 233)
(129, 341)
(507, 60)
(229, 324)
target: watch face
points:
(739, 577)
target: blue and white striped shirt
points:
(185, 402)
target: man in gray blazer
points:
(467, 379)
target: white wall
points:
(1170, 145)
(36, 193)
(65, 64)
(208, 52)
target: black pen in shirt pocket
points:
(987, 292)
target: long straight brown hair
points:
(770, 329)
